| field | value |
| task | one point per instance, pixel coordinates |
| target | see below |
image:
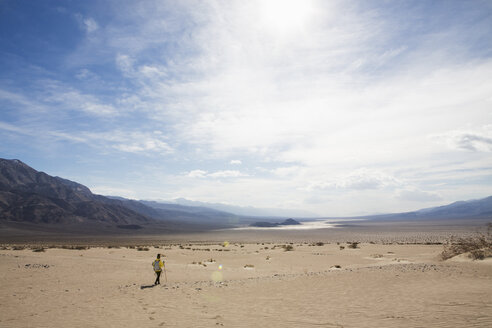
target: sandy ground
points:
(245, 285)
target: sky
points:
(336, 108)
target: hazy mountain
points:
(27, 195)
(471, 209)
(248, 210)
(36, 198)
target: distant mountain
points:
(31, 197)
(27, 195)
(248, 210)
(287, 222)
(471, 209)
(189, 214)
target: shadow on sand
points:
(147, 286)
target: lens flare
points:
(217, 276)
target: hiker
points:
(158, 264)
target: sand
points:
(245, 285)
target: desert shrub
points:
(288, 248)
(319, 243)
(342, 247)
(78, 248)
(18, 248)
(39, 249)
(249, 266)
(478, 246)
(353, 245)
(140, 248)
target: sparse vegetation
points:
(478, 246)
(140, 248)
(342, 247)
(250, 266)
(353, 245)
(288, 248)
(39, 249)
(78, 248)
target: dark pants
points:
(157, 281)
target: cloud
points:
(197, 174)
(227, 174)
(137, 142)
(416, 195)
(235, 162)
(474, 141)
(113, 191)
(286, 171)
(361, 179)
(88, 24)
(216, 175)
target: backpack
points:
(157, 266)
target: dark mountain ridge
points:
(460, 210)
(33, 197)
(27, 195)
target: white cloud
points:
(113, 191)
(235, 162)
(88, 24)
(286, 171)
(475, 141)
(361, 179)
(216, 175)
(227, 174)
(197, 174)
(417, 195)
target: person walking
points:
(158, 265)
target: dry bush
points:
(342, 247)
(77, 248)
(353, 245)
(288, 248)
(140, 248)
(38, 250)
(478, 246)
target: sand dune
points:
(245, 285)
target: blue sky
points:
(332, 107)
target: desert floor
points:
(245, 284)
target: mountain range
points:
(36, 198)
(30, 199)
